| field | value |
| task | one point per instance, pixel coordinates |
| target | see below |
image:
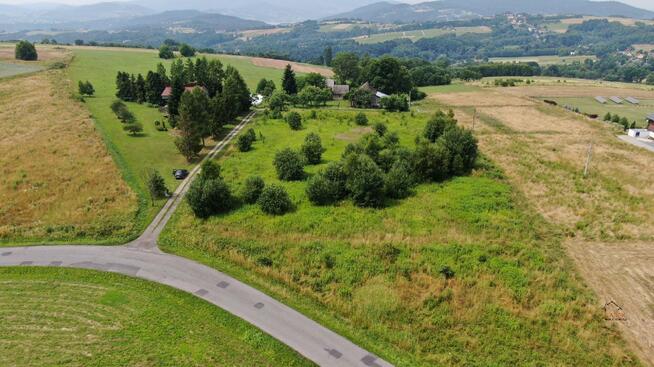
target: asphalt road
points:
(143, 259)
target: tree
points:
(365, 181)
(294, 120)
(289, 84)
(314, 96)
(289, 165)
(210, 170)
(244, 143)
(608, 117)
(274, 200)
(155, 84)
(236, 93)
(462, 148)
(650, 79)
(165, 52)
(156, 186)
(395, 103)
(399, 180)
(124, 86)
(266, 87)
(85, 88)
(252, 189)
(26, 51)
(194, 113)
(346, 67)
(437, 125)
(209, 197)
(186, 50)
(361, 98)
(361, 119)
(431, 162)
(328, 56)
(133, 127)
(387, 75)
(314, 79)
(140, 89)
(328, 186)
(278, 102)
(214, 77)
(380, 128)
(312, 149)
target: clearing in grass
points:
(55, 317)
(459, 273)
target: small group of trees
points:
(623, 121)
(294, 120)
(26, 51)
(245, 141)
(126, 117)
(266, 87)
(131, 88)
(167, 51)
(377, 168)
(289, 164)
(395, 103)
(85, 88)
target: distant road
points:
(143, 259)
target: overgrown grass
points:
(58, 317)
(461, 273)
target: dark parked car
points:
(180, 174)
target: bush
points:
(26, 51)
(254, 186)
(209, 197)
(244, 143)
(274, 200)
(431, 162)
(399, 180)
(289, 165)
(165, 52)
(250, 133)
(210, 170)
(380, 128)
(395, 102)
(361, 119)
(437, 125)
(328, 186)
(312, 149)
(187, 51)
(294, 120)
(365, 181)
(86, 88)
(462, 148)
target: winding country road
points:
(143, 259)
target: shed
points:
(340, 90)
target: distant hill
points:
(82, 13)
(192, 19)
(466, 9)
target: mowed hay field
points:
(419, 34)
(377, 275)
(57, 317)
(59, 182)
(605, 217)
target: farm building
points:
(168, 91)
(338, 90)
(640, 133)
(376, 95)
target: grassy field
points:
(632, 112)
(341, 27)
(544, 60)
(375, 276)
(562, 25)
(57, 317)
(7, 69)
(604, 217)
(59, 183)
(418, 34)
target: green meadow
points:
(421, 33)
(461, 273)
(632, 112)
(57, 317)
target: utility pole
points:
(589, 157)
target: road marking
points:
(334, 353)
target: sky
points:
(645, 4)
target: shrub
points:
(26, 51)
(395, 102)
(165, 52)
(361, 119)
(380, 128)
(289, 165)
(252, 134)
(156, 185)
(608, 116)
(244, 143)
(462, 147)
(437, 125)
(328, 186)
(399, 180)
(254, 185)
(274, 200)
(294, 120)
(86, 88)
(312, 149)
(187, 51)
(431, 162)
(365, 181)
(210, 170)
(209, 197)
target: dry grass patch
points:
(589, 90)
(478, 99)
(300, 68)
(58, 182)
(46, 53)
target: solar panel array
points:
(632, 100)
(601, 99)
(616, 99)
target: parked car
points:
(180, 174)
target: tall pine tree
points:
(289, 84)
